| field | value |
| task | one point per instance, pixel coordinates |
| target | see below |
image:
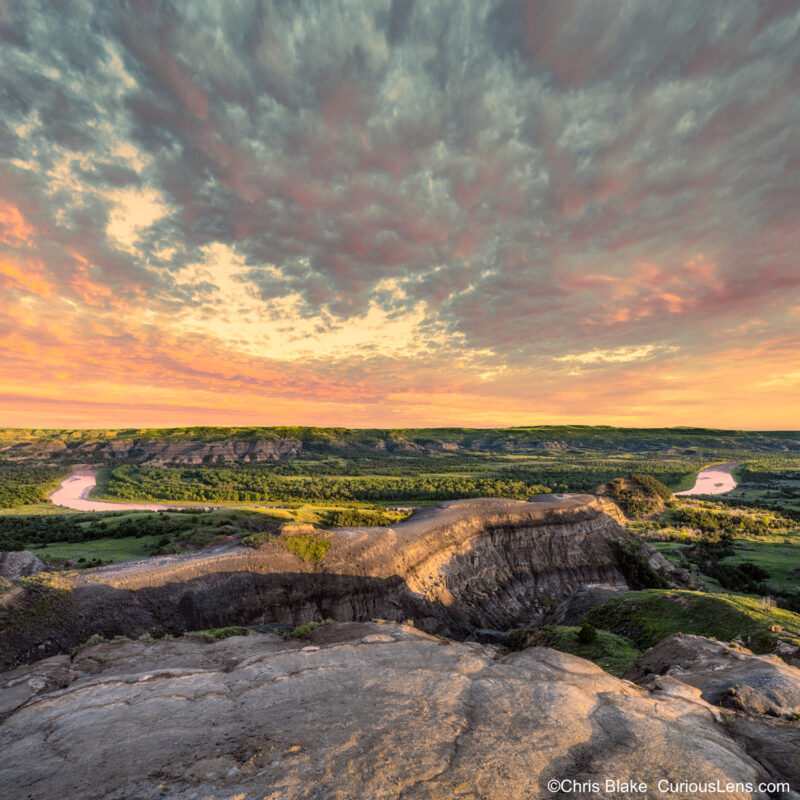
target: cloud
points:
(393, 191)
(133, 211)
(618, 355)
(14, 231)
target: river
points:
(716, 479)
(74, 493)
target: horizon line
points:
(406, 428)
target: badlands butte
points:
(426, 658)
(466, 567)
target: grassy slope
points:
(35, 510)
(780, 557)
(611, 652)
(651, 615)
(669, 550)
(106, 549)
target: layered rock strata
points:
(453, 568)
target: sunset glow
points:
(395, 214)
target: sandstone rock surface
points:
(360, 711)
(19, 564)
(764, 691)
(725, 675)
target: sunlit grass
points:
(648, 616)
(780, 556)
(105, 549)
(35, 510)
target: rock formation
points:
(726, 675)
(19, 564)
(763, 690)
(356, 711)
(583, 600)
(361, 709)
(454, 568)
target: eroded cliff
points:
(453, 568)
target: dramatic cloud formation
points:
(398, 213)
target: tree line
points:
(254, 485)
(25, 484)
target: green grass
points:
(36, 510)
(105, 549)
(779, 557)
(669, 550)
(354, 517)
(768, 481)
(763, 496)
(309, 547)
(301, 631)
(684, 483)
(218, 634)
(611, 652)
(648, 616)
(779, 554)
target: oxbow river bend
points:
(716, 479)
(74, 493)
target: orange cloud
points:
(91, 292)
(14, 231)
(106, 368)
(29, 277)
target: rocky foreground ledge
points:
(358, 710)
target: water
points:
(74, 493)
(712, 480)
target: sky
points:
(395, 213)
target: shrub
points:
(717, 523)
(354, 517)
(517, 639)
(587, 633)
(256, 539)
(301, 631)
(637, 572)
(218, 634)
(653, 487)
(309, 547)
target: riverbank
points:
(716, 479)
(74, 493)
